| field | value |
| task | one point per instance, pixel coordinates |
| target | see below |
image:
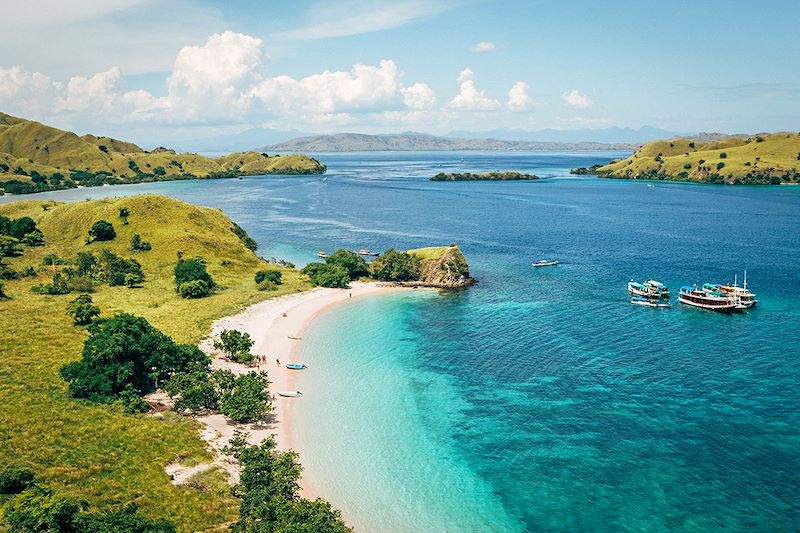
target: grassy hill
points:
(768, 160)
(94, 451)
(35, 157)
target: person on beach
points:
(278, 361)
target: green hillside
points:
(763, 160)
(92, 451)
(35, 157)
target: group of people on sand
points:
(262, 360)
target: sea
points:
(539, 399)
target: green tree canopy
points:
(235, 345)
(82, 310)
(247, 399)
(126, 351)
(102, 231)
(395, 266)
(192, 280)
(325, 275)
(354, 264)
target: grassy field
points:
(28, 148)
(767, 159)
(96, 452)
(433, 252)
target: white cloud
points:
(484, 46)
(518, 98)
(96, 94)
(418, 96)
(576, 99)
(354, 17)
(469, 97)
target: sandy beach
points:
(276, 327)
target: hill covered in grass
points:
(35, 157)
(758, 160)
(91, 451)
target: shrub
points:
(691, 145)
(34, 238)
(138, 245)
(194, 289)
(325, 275)
(193, 390)
(247, 399)
(82, 311)
(3, 295)
(126, 352)
(14, 479)
(58, 286)
(720, 165)
(8, 246)
(354, 264)
(20, 227)
(244, 237)
(701, 161)
(272, 276)
(235, 345)
(124, 520)
(723, 155)
(687, 166)
(395, 266)
(266, 286)
(117, 270)
(42, 509)
(102, 231)
(132, 403)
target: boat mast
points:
(745, 280)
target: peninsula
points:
(35, 158)
(158, 273)
(769, 159)
(488, 176)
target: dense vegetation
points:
(192, 279)
(94, 452)
(395, 266)
(338, 269)
(759, 160)
(35, 158)
(235, 345)
(488, 176)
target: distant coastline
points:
(487, 176)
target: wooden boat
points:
(648, 303)
(295, 338)
(290, 394)
(709, 299)
(544, 263)
(747, 298)
(641, 290)
(293, 366)
(658, 287)
(322, 255)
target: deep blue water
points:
(566, 406)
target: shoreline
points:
(270, 323)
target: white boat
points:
(544, 263)
(364, 251)
(649, 303)
(290, 393)
(322, 255)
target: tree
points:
(354, 264)
(116, 270)
(102, 231)
(187, 273)
(8, 246)
(248, 399)
(138, 245)
(42, 509)
(720, 165)
(20, 227)
(126, 351)
(395, 266)
(272, 276)
(235, 345)
(194, 390)
(14, 479)
(82, 310)
(723, 155)
(326, 275)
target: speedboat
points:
(290, 394)
(293, 366)
(648, 303)
(364, 251)
(544, 263)
(322, 255)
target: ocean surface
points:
(540, 399)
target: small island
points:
(37, 158)
(769, 159)
(488, 176)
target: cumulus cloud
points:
(469, 97)
(418, 96)
(484, 46)
(576, 99)
(518, 98)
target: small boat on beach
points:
(364, 251)
(290, 394)
(649, 303)
(544, 263)
(293, 366)
(706, 298)
(295, 338)
(322, 255)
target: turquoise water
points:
(540, 399)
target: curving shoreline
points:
(271, 332)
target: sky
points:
(148, 70)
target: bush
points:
(3, 295)
(247, 399)
(132, 403)
(194, 289)
(244, 237)
(687, 166)
(102, 231)
(14, 479)
(82, 311)
(723, 155)
(20, 227)
(58, 286)
(395, 266)
(720, 165)
(235, 345)
(124, 520)
(8, 246)
(272, 276)
(691, 145)
(126, 352)
(138, 245)
(354, 264)
(188, 272)
(266, 286)
(193, 390)
(325, 275)
(42, 509)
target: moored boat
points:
(290, 394)
(660, 288)
(322, 255)
(747, 298)
(544, 263)
(710, 299)
(648, 289)
(293, 366)
(648, 303)
(364, 251)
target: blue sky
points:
(175, 68)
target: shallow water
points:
(540, 399)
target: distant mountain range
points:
(245, 140)
(612, 135)
(412, 141)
